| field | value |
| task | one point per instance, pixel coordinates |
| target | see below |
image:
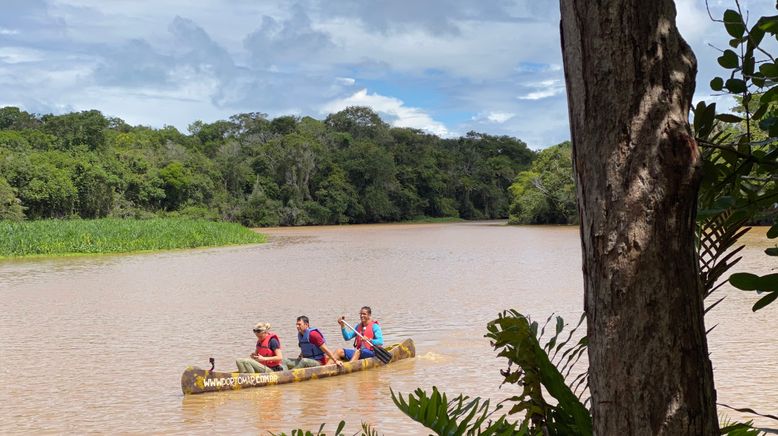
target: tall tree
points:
(630, 80)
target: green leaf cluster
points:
(460, 416)
(740, 154)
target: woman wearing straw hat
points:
(267, 357)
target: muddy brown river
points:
(98, 344)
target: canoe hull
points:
(198, 381)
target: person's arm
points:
(318, 340)
(276, 347)
(347, 333)
(331, 355)
(378, 337)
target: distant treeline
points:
(351, 167)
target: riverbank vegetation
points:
(545, 193)
(64, 237)
(351, 167)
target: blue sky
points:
(444, 66)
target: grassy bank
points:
(431, 220)
(61, 237)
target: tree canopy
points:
(350, 168)
(545, 193)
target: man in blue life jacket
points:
(313, 348)
(367, 327)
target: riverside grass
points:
(111, 235)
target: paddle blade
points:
(381, 353)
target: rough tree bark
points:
(630, 80)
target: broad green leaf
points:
(770, 96)
(729, 60)
(755, 35)
(744, 281)
(769, 69)
(760, 112)
(772, 233)
(729, 118)
(703, 119)
(768, 283)
(734, 23)
(769, 24)
(736, 86)
(758, 80)
(764, 301)
(717, 84)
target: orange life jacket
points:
(263, 349)
(366, 331)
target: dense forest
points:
(351, 167)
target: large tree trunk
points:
(630, 80)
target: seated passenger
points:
(369, 328)
(267, 357)
(313, 348)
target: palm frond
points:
(460, 416)
(715, 237)
(511, 333)
(368, 430)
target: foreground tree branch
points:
(630, 80)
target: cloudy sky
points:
(445, 66)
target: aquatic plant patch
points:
(110, 235)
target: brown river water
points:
(98, 344)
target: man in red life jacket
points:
(267, 357)
(313, 348)
(367, 327)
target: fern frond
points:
(716, 235)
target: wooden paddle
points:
(380, 352)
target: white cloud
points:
(544, 89)
(347, 81)
(499, 117)
(494, 117)
(402, 116)
(5, 31)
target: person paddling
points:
(367, 327)
(267, 357)
(313, 348)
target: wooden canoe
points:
(198, 381)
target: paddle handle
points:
(358, 334)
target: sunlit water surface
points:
(98, 344)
